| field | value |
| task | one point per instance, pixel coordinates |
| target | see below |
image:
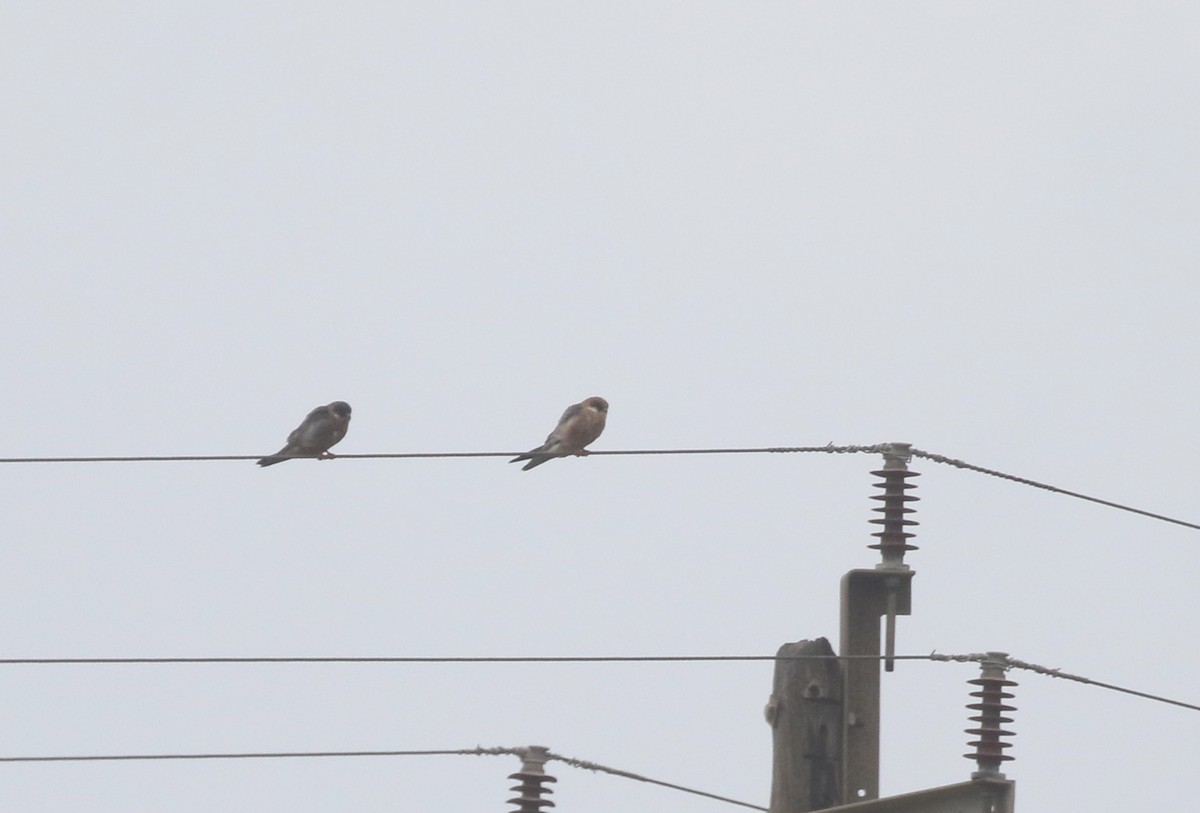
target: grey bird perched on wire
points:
(323, 427)
(579, 425)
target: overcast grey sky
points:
(971, 226)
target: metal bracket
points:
(867, 596)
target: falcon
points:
(323, 427)
(579, 425)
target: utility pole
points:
(805, 713)
(814, 770)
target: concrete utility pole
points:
(805, 713)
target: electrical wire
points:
(1009, 663)
(548, 659)
(468, 659)
(1014, 663)
(477, 751)
(592, 766)
(240, 755)
(828, 449)
(961, 464)
(902, 449)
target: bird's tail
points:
(272, 460)
(536, 457)
(534, 460)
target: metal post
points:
(867, 596)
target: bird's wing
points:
(569, 413)
(310, 429)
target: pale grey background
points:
(971, 226)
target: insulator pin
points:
(894, 536)
(991, 715)
(531, 789)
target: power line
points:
(477, 751)
(592, 766)
(828, 449)
(1009, 662)
(1014, 663)
(961, 464)
(566, 659)
(878, 448)
(243, 755)
(1058, 673)
(440, 659)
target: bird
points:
(323, 427)
(579, 425)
